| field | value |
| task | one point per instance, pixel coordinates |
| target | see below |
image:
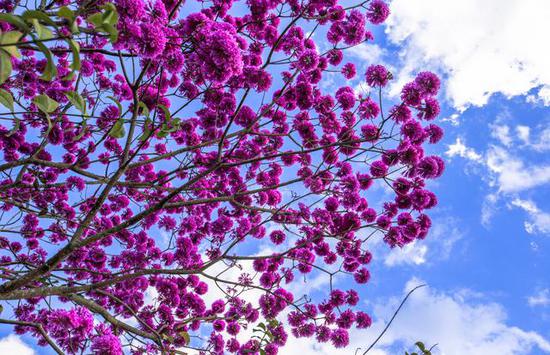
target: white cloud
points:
(452, 119)
(12, 344)
(502, 133)
(543, 96)
(460, 149)
(445, 232)
(542, 140)
(368, 53)
(508, 174)
(537, 139)
(541, 298)
(523, 133)
(539, 221)
(411, 254)
(488, 209)
(512, 174)
(483, 47)
(459, 322)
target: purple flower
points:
(363, 320)
(106, 344)
(428, 83)
(377, 75)
(434, 132)
(277, 237)
(339, 338)
(370, 132)
(411, 94)
(378, 169)
(430, 110)
(308, 60)
(368, 109)
(377, 12)
(349, 71)
(362, 276)
(345, 97)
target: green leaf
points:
(43, 32)
(167, 114)
(5, 66)
(106, 22)
(77, 100)
(146, 130)
(163, 133)
(185, 336)
(144, 109)
(82, 132)
(117, 131)
(95, 19)
(111, 30)
(175, 125)
(70, 16)
(420, 345)
(75, 48)
(262, 352)
(6, 99)
(110, 16)
(39, 15)
(11, 37)
(66, 13)
(45, 104)
(50, 71)
(16, 21)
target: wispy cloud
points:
(482, 47)
(540, 299)
(539, 221)
(12, 344)
(460, 322)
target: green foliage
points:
(5, 66)
(169, 125)
(42, 27)
(6, 99)
(77, 100)
(50, 71)
(8, 41)
(106, 21)
(422, 349)
(118, 131)
(262, 333)
(15, 20)
(45, 103)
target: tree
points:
(151, 147)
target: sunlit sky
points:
(487, 260)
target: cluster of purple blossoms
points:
(155, 143)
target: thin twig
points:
(393, 317)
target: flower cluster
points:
(156, 149)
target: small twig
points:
(393, 317)
(40, 329)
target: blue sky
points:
(487, 260)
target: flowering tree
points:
(150, 147)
